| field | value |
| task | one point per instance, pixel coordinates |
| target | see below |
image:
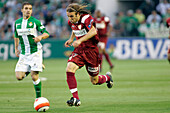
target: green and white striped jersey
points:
(26, 30)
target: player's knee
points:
(94, 82)
(34, 78)
(70, 69)
(19, 77)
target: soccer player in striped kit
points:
(30, 57)
(85, 52)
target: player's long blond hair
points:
(74, 7)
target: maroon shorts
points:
(88, 57)
(103, 39)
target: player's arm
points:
(92, 32)
(40, 37)
(40, 27)
(16, 43)
(109, 30)
(70, 40)
(167, 25)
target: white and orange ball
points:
(41, 104)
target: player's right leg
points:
(72, 84)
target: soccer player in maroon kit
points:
(168, 25)
(104, 29)
(85, 52)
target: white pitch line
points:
(23, 81)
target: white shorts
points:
(101, 45)
(28, 63)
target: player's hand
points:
(108, 34)
(68, 43)
(37, 39)
(17, 52)
(76, 43)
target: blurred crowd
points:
(149, 16)
(52, 13)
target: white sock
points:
(36, 82)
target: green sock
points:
(38, 89)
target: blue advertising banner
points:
(130, 48)
(121, 48)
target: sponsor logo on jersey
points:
(30, 31)
(79, 33)
(30, 24)
(93, 69)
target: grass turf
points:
(141, 86)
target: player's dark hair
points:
(25, 3)
(78, 8)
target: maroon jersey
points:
(102, 24)
(82, 27)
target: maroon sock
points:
(103, 79)
(72, 84)
(108, 59)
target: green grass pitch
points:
(141, 86)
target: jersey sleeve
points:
(89, 22)
(168, 22)
(15, 31)
(40, 27)
(107, 20)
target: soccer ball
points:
(41, 104)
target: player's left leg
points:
(99, 79)
(36, 82)
(108, 59)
